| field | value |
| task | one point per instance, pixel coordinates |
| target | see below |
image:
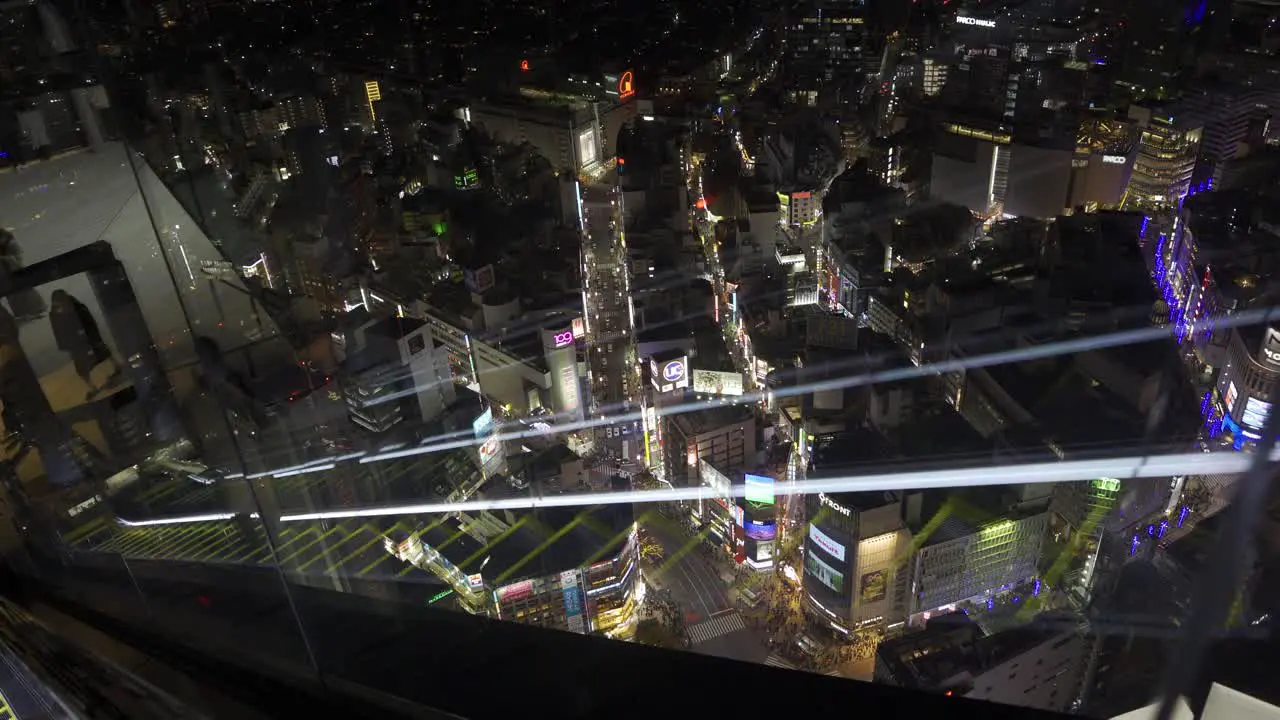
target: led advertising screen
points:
(759, 489)
(872, 586)
(668, 375)
(712, 382)
(483, 424)
(587, 146)
(1230, 399)
(515, 592)
(757, 530)
(824, 541)
(489, 450)
(825, 574)
(1255, 413)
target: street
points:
(699, 587)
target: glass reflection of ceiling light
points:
(1071, 471)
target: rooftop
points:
(952, 644)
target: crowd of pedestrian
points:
(781, 616)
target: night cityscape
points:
(402, 358)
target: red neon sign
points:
(524, 65)
(626, 87)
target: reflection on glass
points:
(842, 366)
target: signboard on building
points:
(483, 424)
(759, 489)
(571, 592)
(670, 374)
(1255, 413)
(489, 451)
(720, 485)
(757, 530)
(825, 574)
(626, 85)
(481, 280)
(578, 327)
(587, 148)
(873, 586)
(824, 541)
(515, 592)
(714, 382)
(1271, 347)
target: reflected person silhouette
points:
(27, 304)
(76, 332)
(27, 407)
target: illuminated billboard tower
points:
(612, 365)
(561, 353)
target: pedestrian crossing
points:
(776, 661)
(715, 627)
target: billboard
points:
(825, 574)
(587, 146)
(563, 338)
(759, 489)
(578, 327)
(824, 541)
(489, 450)
(1231, 396)
(1255, 413)
(872, 587)
(571, 593)
(515, 592)
(670, 374)
(1271, 347)
(713, 382)
(756, 530)
(483, 424)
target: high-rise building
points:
(825, 43)
(395, 371)
(959, 562)
(852, 545)
(1166, 159)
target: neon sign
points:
(626, 86)
(822, 498)
(962, 20)
(1113, 159)
(524, 65)
(1271, 348)
(673, 371)
(564, 338)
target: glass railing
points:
(303, 354)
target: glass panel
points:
(834, 352)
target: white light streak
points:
(1143, 466)
(305, 470)
(184, 520)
